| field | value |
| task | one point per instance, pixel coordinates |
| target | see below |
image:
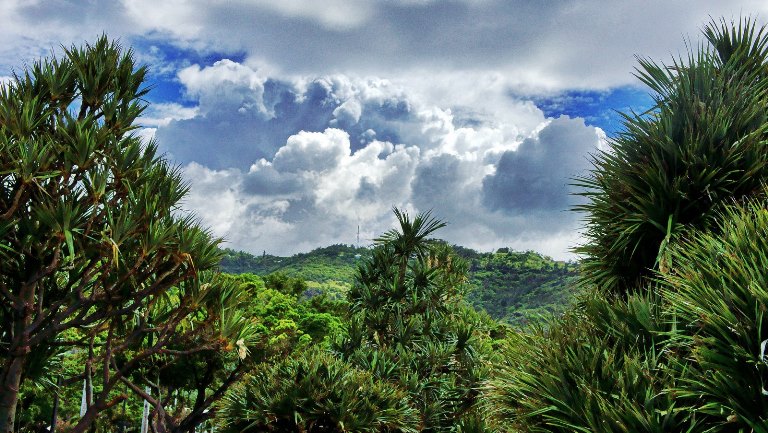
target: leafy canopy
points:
(91, 236)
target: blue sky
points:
(600, 108)
(295, 121)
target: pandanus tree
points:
(409, 324)
(720, 291)
(89, 234)
(315, 392)
(701, 146)
(410, 240)
(398, 286)
(676, 229)
(182, 354)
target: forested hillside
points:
(335, 263)
(517, 286)
(509, 285)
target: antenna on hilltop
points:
(357, 247)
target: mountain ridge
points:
(514, 286)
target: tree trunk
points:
(55, 415)
(9, 392)
(13, 367)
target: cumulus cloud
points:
(291, 139)
(347, 114)
(225, 86)
(312, 151)
(534, 177)
(499, 177)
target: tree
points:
(89, 233)
(316, 392)
(670, 336)
(411, 240)
(670, 170)
(188, 349)
(281, 282)
(410, 326)
(720, 291)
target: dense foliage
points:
(519, 286)
(719, 290)
(702, 146)
(316, 392)
(109, 297)
(335, 264)
(682, 348)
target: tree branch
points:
(15, 204)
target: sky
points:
(297, 121)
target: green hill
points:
(509, 285)
(517, 286)
(332, 266)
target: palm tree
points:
(409, 325)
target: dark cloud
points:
(553, 44)
(561, 44)
(436, 181)
(367, 191)
(536, 176)
(300, 210)
(265, 180)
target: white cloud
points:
(348, 113)
(312, 151)
(292, 148)
(314, 188)
(216, 197)
(225, 84)
(161, 114)
(558, 45)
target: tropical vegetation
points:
(114, 315)
(670, 334)
(512, 286)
